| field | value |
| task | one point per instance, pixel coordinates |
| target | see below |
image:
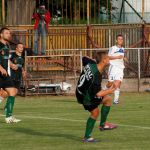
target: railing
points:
(67, 65)
(73, 37)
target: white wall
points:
(137, 4)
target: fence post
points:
(80, 60)
(109, 37)
(139, 70)
(25, 80)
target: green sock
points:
(9, 106)
(104, 113)
(89, 127)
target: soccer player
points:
(17, 60)
(6, 82)
(90, 94)
(116, 68)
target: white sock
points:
(116, 95)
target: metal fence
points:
(66, 67)
(75, 11)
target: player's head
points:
(5, 34)
(102, 58)
(119, 39)
(19, 47)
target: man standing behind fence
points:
(42, 19)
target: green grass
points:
(58, 123)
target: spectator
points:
(42, 19)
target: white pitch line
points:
(74, 120)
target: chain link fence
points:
(58, 72)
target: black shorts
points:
(93, 105)
(79, 97)
(6, 82)
(16, 84)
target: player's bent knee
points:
(95, 113)
(11, 91)
(109, 84)
(107, 101)
(117, 83)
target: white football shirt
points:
(116, 51)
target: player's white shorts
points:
(115, 73)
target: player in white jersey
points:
(116, 68)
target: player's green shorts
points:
(6, 82)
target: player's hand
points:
(14, 67)
(3, 71)
(125, 59)
(112, 88)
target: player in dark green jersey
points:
(90, 94)
(18, 72)
(6, 82)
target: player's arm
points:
(2, 70)
(116, 57)
(125, 57)
(12, 65)
(87, 60)
(110, 54)
(106, 92)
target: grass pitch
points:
(58, 123)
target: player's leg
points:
(91, 122)
(118, 77)
(117, 91)
(109, 84)
(11, 90)
(10, 105)
(107, 102)
(10, 101)
(3, 95)
(110, 77)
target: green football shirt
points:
(4, 55)
(89, 83)
(19, 61)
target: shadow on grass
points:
(42, 134)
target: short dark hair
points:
(100, 55)
(119, 35)
(18, 44)
(3, 29)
